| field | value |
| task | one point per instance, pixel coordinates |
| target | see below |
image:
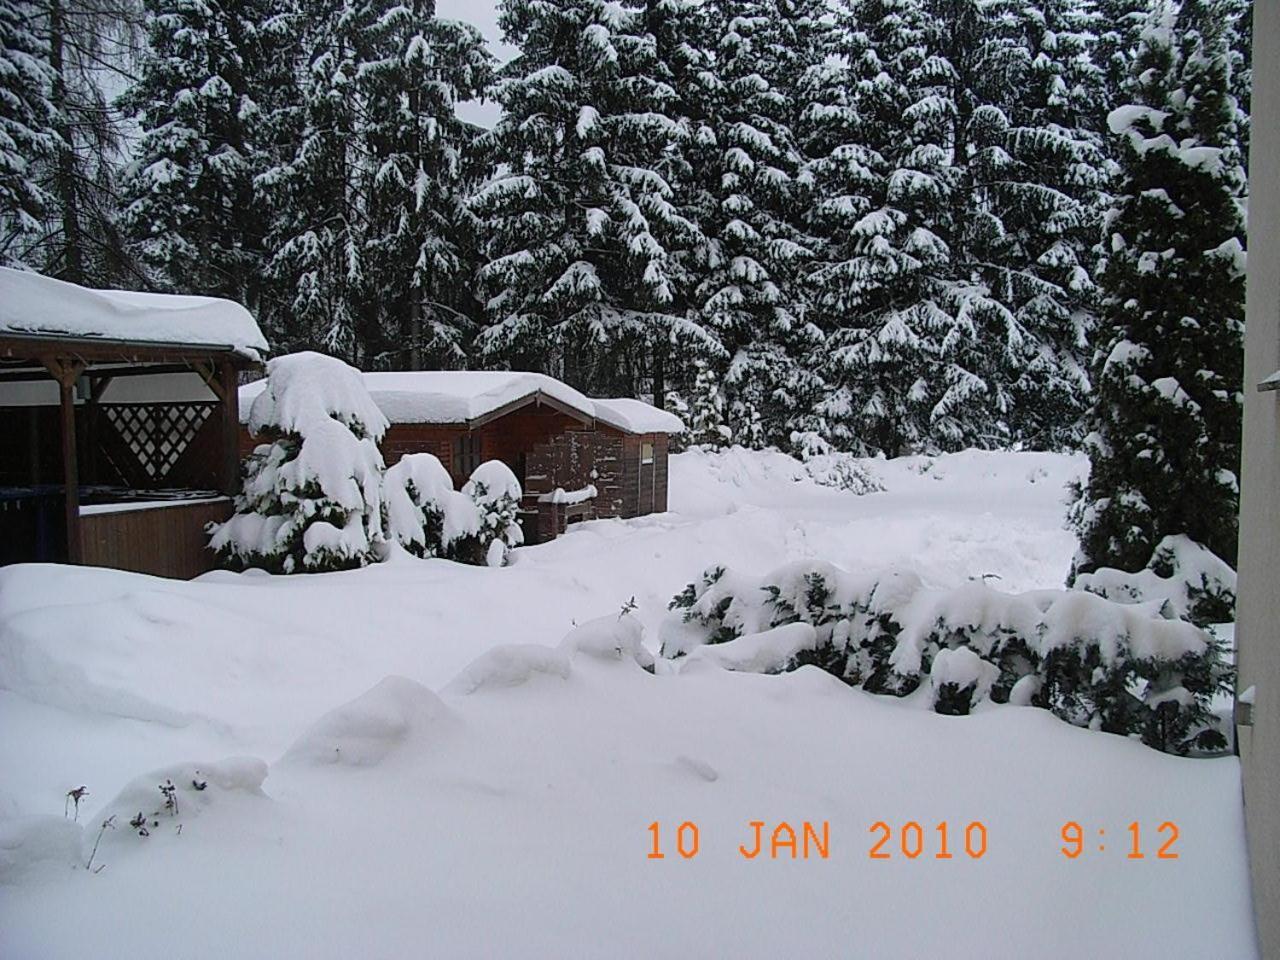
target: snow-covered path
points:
(514, 821)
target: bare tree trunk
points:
(659, 374)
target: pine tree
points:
(748, 294)
(884, 189)
(1166, 423)
(189, 197)
(416, 182)
(1048, 191)
(319, 224)
(580, 224)
(707, 425)
(26, 129)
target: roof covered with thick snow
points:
(31, 304)
(636, 416)
(466, 396)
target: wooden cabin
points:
(118, 423)
(577, 458)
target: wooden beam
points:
(212, 377)
(228, 391)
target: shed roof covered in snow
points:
(35, 307)
(474, 397)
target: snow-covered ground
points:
(506, 812)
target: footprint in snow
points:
(698, 768)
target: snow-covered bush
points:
(1196, 584)
(424, 514)
(832, 468)
(1123, 668)
(496, 493)
(312, 494)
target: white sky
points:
(484, 14)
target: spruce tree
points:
(26, 129)
(416, 179)
(1166, 422)
(319, 224)
(748, 293)
(189, 196)
(581, 225)
(1048, 189)
(886, 286)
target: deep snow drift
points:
(447, 773)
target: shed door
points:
(648, 476)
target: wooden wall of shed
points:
(165, 541)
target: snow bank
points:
(31, 303)
(509, 665)
(771, 651)
(610, 638)
(32, 845)
(393, 714)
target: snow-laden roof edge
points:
(32, 304)
(466, 396)
(636, 416)
(1270, 383)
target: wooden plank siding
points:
(166, 541)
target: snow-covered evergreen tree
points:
(1045, 181)
(26, 128)
(748, 293)
(319, 218)
(884, 193)
(580, 224)
(1165, 444)
(707, 425)
(416, 180)
(189, 197)
(312, 495)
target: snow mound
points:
(610, 638)
(509, 665)
(363, 732)
(772, 651)
(28, 844)
(163, 802)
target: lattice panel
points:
(158, 434)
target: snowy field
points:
(503, 807)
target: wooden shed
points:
(577, 458)
(118, 423)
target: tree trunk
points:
(659, 374)
(65, 186)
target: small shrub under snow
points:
(424, 514)
(1122, 668)
(1196, 584)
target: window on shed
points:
(646, 453)
(466, 454)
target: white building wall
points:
(1258, 613)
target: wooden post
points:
(70, 471)
(66, 373)
(230, 459)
